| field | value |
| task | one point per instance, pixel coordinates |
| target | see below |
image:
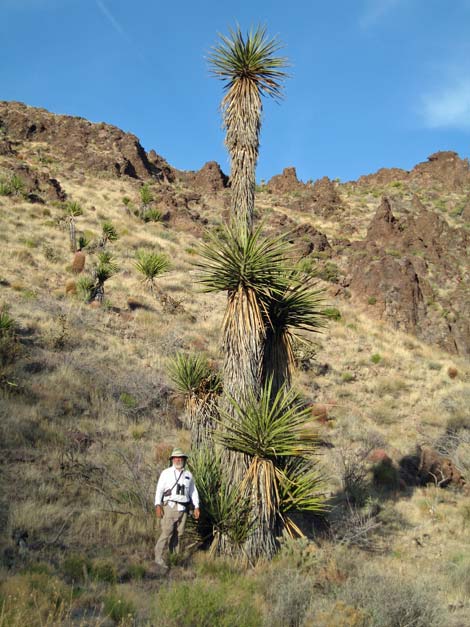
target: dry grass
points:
(102, 373)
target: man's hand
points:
(159, 511)
(197, 513)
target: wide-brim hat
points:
(177, 452)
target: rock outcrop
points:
(209, 179)
(285, 182)
(444, 168)
(82, 146)
(400, 267)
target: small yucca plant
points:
(192, 375)
(108, 233)
(200, 385)
(151, 264)
(73, 208)
(85, 287)
(105, 268)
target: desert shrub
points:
(205, 604)
(372, 300)
(391, 601)
(136, 571)
(376, 358)
(76, 568)
(119, 609)
(332, 313)
(329, 272)
(288, 595)
(104, 570)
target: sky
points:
(373, 83)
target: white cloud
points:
(376, 10)
(448, 107)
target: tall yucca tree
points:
(250, 68)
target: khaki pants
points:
(171, 529)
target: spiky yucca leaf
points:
(249, 59)
(301, 486)
(235, 258)
(192, 374)
(151, 264)
(268, 427)
(297, 306)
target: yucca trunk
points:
(242, 115)
(201, 413)
(278, 359)
(243, 340)
(260, 485)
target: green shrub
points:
(332, 313)
(376, 358)
(329, 272)
(76, 568)
(372, 300)
(103, 570)
(129, 401)
(205, 604)
(347, 377)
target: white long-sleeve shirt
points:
(171, 479)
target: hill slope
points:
(88, 414)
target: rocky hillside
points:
(88, 412)
(399, 240)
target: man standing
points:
(174, 495)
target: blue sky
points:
(374, 83)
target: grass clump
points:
(120, 610)
(76, 568)
(34, 599)
(205, 604)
